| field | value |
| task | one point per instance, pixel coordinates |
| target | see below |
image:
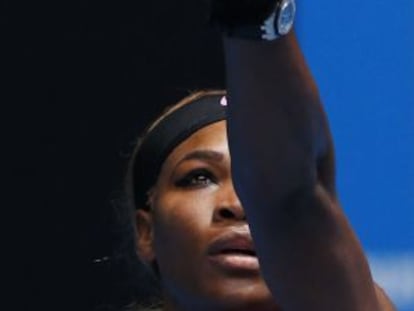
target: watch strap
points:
(265, 31)
(278, 23)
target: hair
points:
(149, 291)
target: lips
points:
(233, 242)
(234, 251)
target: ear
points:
(145, 237)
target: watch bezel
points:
(281, 26)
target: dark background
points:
(80, 80)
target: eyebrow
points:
(209, 155)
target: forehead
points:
(211, 137)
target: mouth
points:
(234, 251)
(241, 252)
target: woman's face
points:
(200, 238)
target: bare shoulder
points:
(384, 301)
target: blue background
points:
(362, 56)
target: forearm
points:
(309, 255)
(273, 101)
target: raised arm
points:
(283, 170)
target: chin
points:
(224, 294)
(242, 295)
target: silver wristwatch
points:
(280, 22)
(277, 24)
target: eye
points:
(196, 178)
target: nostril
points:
(226, 213)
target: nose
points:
(228, 206)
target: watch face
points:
(286, 16)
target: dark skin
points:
(282, 170)
(309, 254)
(193, 204)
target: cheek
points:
(180, 228)
(182, 213)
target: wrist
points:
(267, 20)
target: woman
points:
(261, 229)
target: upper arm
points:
(383, 300)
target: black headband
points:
(169, 133)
